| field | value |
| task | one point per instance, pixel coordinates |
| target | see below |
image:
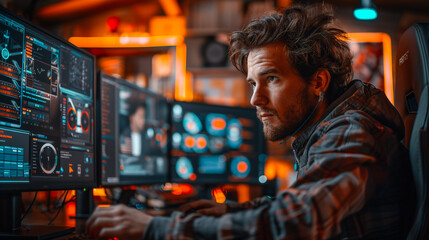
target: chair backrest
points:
(411, 100)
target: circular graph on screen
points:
(188, 143)
(161, 138)
(177, 112)
(191, 123)
(233, 134)
(216, 124)
(176, 140)
(5, 53)
(48, 159)
(71, 118)
(240, 167)
(84, 120)
(217, 144)
(201, 143)
(184, 168)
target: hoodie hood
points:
(364, 97)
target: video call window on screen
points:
(134, 127)
(216, 144)
(46, 110)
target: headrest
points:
(412, 72)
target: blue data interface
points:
(46, 108)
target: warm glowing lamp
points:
(365, 10)
(113, 23)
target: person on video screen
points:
(137, 143)
(133, 136)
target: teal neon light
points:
(365, 13)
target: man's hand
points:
(205, 207)
(117, 221)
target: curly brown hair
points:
(311, 42)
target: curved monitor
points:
(214, 144)
(133, 129)
(46, 110)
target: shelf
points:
(205, 32)
(216, 72)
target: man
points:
(352, 169)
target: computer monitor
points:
(133, 128)
(46, 110)
(214, 144)
(47, 116)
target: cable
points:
(29, 207)
(62, 194)
(48, 202)
(71, 200)
(59, 209)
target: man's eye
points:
(272, 78)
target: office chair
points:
(411, 100)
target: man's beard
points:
(275, 134)
(292, 123)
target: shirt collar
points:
(300, 141)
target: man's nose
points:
(259, 97)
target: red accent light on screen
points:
(177, 190)
(242, 167)
(113, 23)
(189, 142)
(201, 142)
(218, 195)
(186, 188)
(5, 136)
(218, 124)
(193, 177)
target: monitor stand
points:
(84, 208)
(126, 196)
(10, 224)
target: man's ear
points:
(320, 82)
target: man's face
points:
(280, 95)
(137, 120)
